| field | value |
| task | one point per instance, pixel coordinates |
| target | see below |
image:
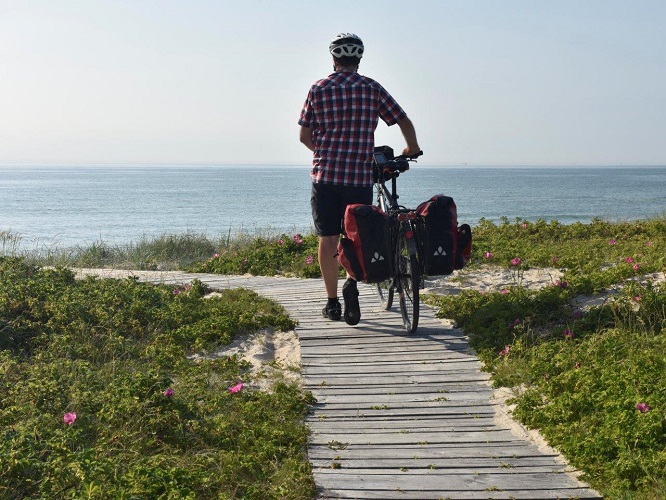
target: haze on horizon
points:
(218, 82)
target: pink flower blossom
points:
(642, 407)
(561, 284)
(297, 239)
(524, 225)
(515, 262)
(637, 298)
(577, 365)
(69, 418)
(236, 388)
(216, 255)
(612, 241)
(309, 259)
(168, 393)
(504, 291)
(176, 291)
(488, 255)
(649, 243)
(636, 267)
(577, 313)
(568, 334)
(280, 242)
(629, 260)
(505, 351)
(187, 287)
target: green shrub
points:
(286, 255)
(592, 381)
(151, 421)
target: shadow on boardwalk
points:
(399, 416)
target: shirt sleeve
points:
(389, 110)
(305, 119)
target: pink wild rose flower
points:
(642, 407)
(69, 418)
(236, 388)
(168, 393)
(515, 262)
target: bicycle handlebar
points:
(413, 156)
(387, 169)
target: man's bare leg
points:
(328, 263)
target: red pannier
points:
(445, 245)
(365, 249)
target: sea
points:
(68, 206)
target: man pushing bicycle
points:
(338, 122)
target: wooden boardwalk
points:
(399, 416)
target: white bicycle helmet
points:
(346, 45)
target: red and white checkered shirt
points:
(343, 111)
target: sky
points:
(512, 82)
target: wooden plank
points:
(426, 437)
(434, 480)
(502, 451)
(400, 494)
(453, 464)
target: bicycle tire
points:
(409, 281)
(385, 289)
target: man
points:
(338, 121)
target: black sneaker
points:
(350, 296)
(332, 311)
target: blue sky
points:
(203, 81)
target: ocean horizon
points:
(61, 205)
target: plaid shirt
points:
(343, 111)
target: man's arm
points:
(306, 137)
(409, 133)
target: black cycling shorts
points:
(328, 204)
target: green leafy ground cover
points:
(294, 255)
(592, 380)
(99, 399)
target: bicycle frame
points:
(406, 279)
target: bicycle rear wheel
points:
(409, 278)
